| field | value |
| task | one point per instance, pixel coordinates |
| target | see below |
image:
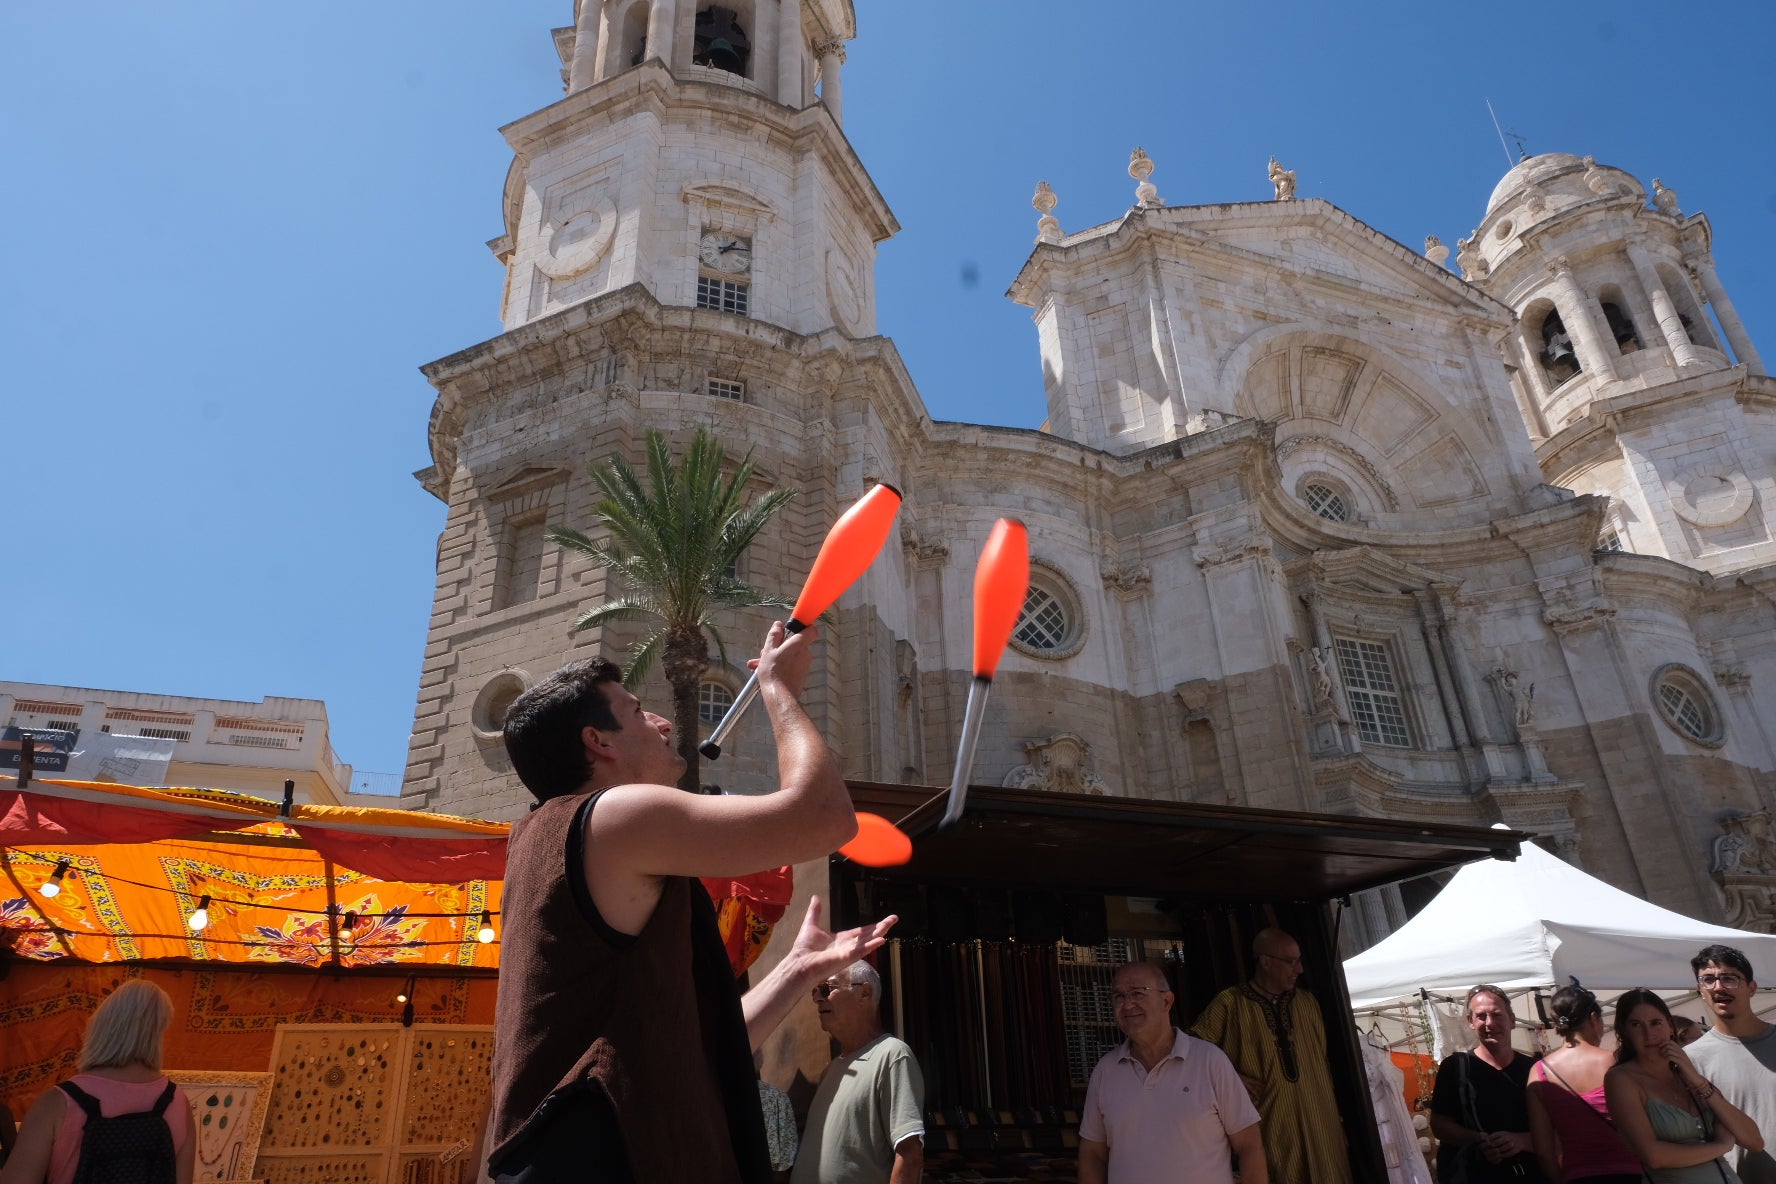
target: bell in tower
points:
(721, 43)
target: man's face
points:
(1281, 965)
(642, 751)
(1725, 989)
(842, 1004)
(1491, 1020)
(1142, 1002)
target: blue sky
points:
(235, 231)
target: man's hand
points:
(1499, 1146)
(784, 661)
(818, 955)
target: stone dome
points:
(1536, 168)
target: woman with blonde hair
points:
(119, 1117)
(1672, 1116)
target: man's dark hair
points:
(1722, 956)
(542, 729)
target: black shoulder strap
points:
(166, 1099)
(85, 1100)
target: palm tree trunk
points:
(686, 658)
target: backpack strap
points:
(166, 1099)
(83, 1099)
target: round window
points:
(1326, 501)
(1686, 705)
(1050, 625)
(488, 715)
(713, 701)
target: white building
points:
(1318, 523)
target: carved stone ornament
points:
(1128, 581)
(1535, 199)
(1598, 180)
(1283, 179)
(1140, 168)
(1048, 227)
(1468, 258)
(1745, 868)
(1665, 199)
(1208, 557)
(1058, 765)
(1435, 251)
(830, 47)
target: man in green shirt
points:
(867, 1122)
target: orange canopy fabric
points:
(328, 887)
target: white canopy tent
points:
(1533, 923)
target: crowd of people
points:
(624, 1050)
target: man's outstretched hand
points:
(818, 955)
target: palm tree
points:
(673, 546)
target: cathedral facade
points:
(1317, 523)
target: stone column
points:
(832, 56)
(790, 48)
(1683, 350)
(585, 56)
(662, 18)
(763, 59)
(1595, 348)
(1727, 315)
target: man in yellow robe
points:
(1276, 1039)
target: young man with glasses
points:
(1274, 1035)
(867, 1122)
(1738, 1054)
(1164, 1105)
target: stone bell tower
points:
(1629, 386)
(689, 242)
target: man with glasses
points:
(1738, 1054)
(1164, 1105)
(867, 1122)
(1273, 1034)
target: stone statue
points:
(1283, 179)
(1520, 704)
(1435, 251)
(1665, 199)
(1140, 168)
(1526, 708)
(1321, 667)
(1048, 227)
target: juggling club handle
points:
(712, 747)
(971, 727)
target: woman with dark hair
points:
(1672, 1117)
(1569, 1118)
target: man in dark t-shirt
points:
(1480, 1106)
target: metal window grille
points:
(1087, 1018)
(168, 734)
(713, 701)
(722, 388)
(1374, 695)
(1683, 710)
(726, 295)
(1325, 501)
(258, 741)
(1045, 623)
(65, 725)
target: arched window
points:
(1325, 501)
(713, 701)
(1051, 624)
(1686, 705)
(1558, 357)
(634, 43)
(1621, 325)
(721, 44)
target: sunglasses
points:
(824, 991)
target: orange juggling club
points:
(879, 843)
(850, 547)
(1001, 581)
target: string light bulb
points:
(200, 918)
(486, 934)
(52, 887)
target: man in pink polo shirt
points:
(1164, 1105)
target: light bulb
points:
(200, 917)
(485, 934)
(52, 887)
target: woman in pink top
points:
(120, 1069)
(1568, 1117)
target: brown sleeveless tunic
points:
(653, 1021)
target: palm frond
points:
(626, 608)
(641, 657)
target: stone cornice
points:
(1197, 226)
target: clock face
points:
(725, 252)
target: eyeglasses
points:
(1132, 995)
(825, 990)
(1295, 961)
(1731, 982)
